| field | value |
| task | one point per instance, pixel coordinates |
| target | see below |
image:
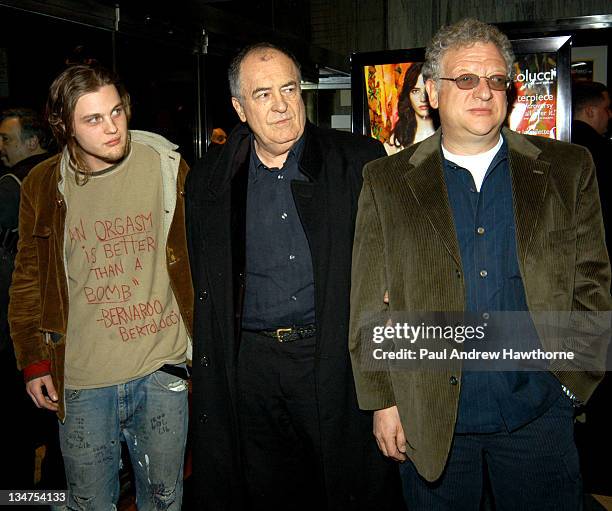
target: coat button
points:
(203, 418)
(203, 296)
(204, 361)
(453, 380)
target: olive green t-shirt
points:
(123, 319)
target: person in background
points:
(217, 139)
(591, 114)
(218, 136)
(101, 298)
(591, 121)
(23, 143)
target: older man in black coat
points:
(270, 222)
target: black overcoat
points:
(356, 474)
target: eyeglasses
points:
(470, 81)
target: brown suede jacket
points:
(38, 310)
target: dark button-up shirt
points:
(485, 227)
(279, 275)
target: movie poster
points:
(534, 111)
(398, 109)
(399, 114)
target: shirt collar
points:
(478, 176)
(295, 153)
(501, 155)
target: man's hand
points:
(35, 387)
(389, 433)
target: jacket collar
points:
(425, 178)
(529, 173)
(529, 180)
(22, 168)
(516, 142)
(311, 161)
(225, 163)
(234, 154)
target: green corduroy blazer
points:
(405, 243)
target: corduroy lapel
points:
(529, 182)
(425, 177)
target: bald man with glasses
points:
(480, 220)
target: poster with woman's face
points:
(398, 108)
(534, 111)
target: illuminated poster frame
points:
(542, 97)
(374, 97)
(543, 63)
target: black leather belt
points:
(176, 370)
(288, 334)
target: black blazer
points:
(356, 475)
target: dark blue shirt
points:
(485, 227)
(279, 275)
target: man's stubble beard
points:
(110, 159)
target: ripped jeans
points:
(150, 414)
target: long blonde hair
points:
(65, 91)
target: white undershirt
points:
(477, 164)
